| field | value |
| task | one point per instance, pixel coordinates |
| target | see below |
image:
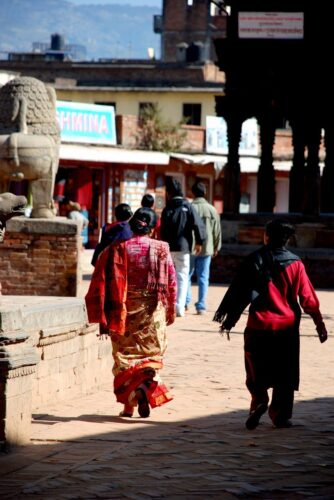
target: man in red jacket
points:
(274, 282)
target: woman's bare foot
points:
(127, 411)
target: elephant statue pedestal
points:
(41, 257)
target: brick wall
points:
(127, 130)
(188, 23)
(41, 257)
(283, 148)
(243, 234)
(194, 140)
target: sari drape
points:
(133, 292)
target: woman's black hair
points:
(279, 232)
(143, 220)
(123, 212)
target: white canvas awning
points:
(105, 154)
(248, 164)
(109, 154)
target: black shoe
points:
(254, 417)
(143, 404)
(282, 424)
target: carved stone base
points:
(48, 354)
(41, 257)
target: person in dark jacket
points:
(116, 231)
(274, 283)
(179, 222)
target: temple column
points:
(296, 177)
(266, 174)
(327, 180)
(311, 198)
(232, 168)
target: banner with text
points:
(86, 123)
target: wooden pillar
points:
(311, 198)
(327, 180)
(266, 175)
(232, 168)
(298, 166)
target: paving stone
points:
(197, 445)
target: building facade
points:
(274, 58)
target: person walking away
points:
(132, 295)
(73, 210)
(148, 201)
(200, 263)
(179, 221)
(274, 283)
(116, 231)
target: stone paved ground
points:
(196, 446)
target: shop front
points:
(101, 177)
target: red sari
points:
(133, 293)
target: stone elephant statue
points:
(29, 140)
(11, 205)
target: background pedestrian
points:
(148, 201)
(119, 230)
(200, 263)
(179, 222)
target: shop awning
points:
(248, 164)
(109, 154)
(104, 154)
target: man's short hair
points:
(173, 187)
(147, 200)
(123, 212)
(199, 189)
(279, 232)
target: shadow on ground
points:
(212, 457)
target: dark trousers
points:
(272, 360)
(281, 405)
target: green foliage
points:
(155, 134)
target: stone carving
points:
(10, 206)
(29, 140)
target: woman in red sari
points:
(132, 295)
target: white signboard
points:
(135, 185)
(283, 25)
(216, 136)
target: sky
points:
(137, 3)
